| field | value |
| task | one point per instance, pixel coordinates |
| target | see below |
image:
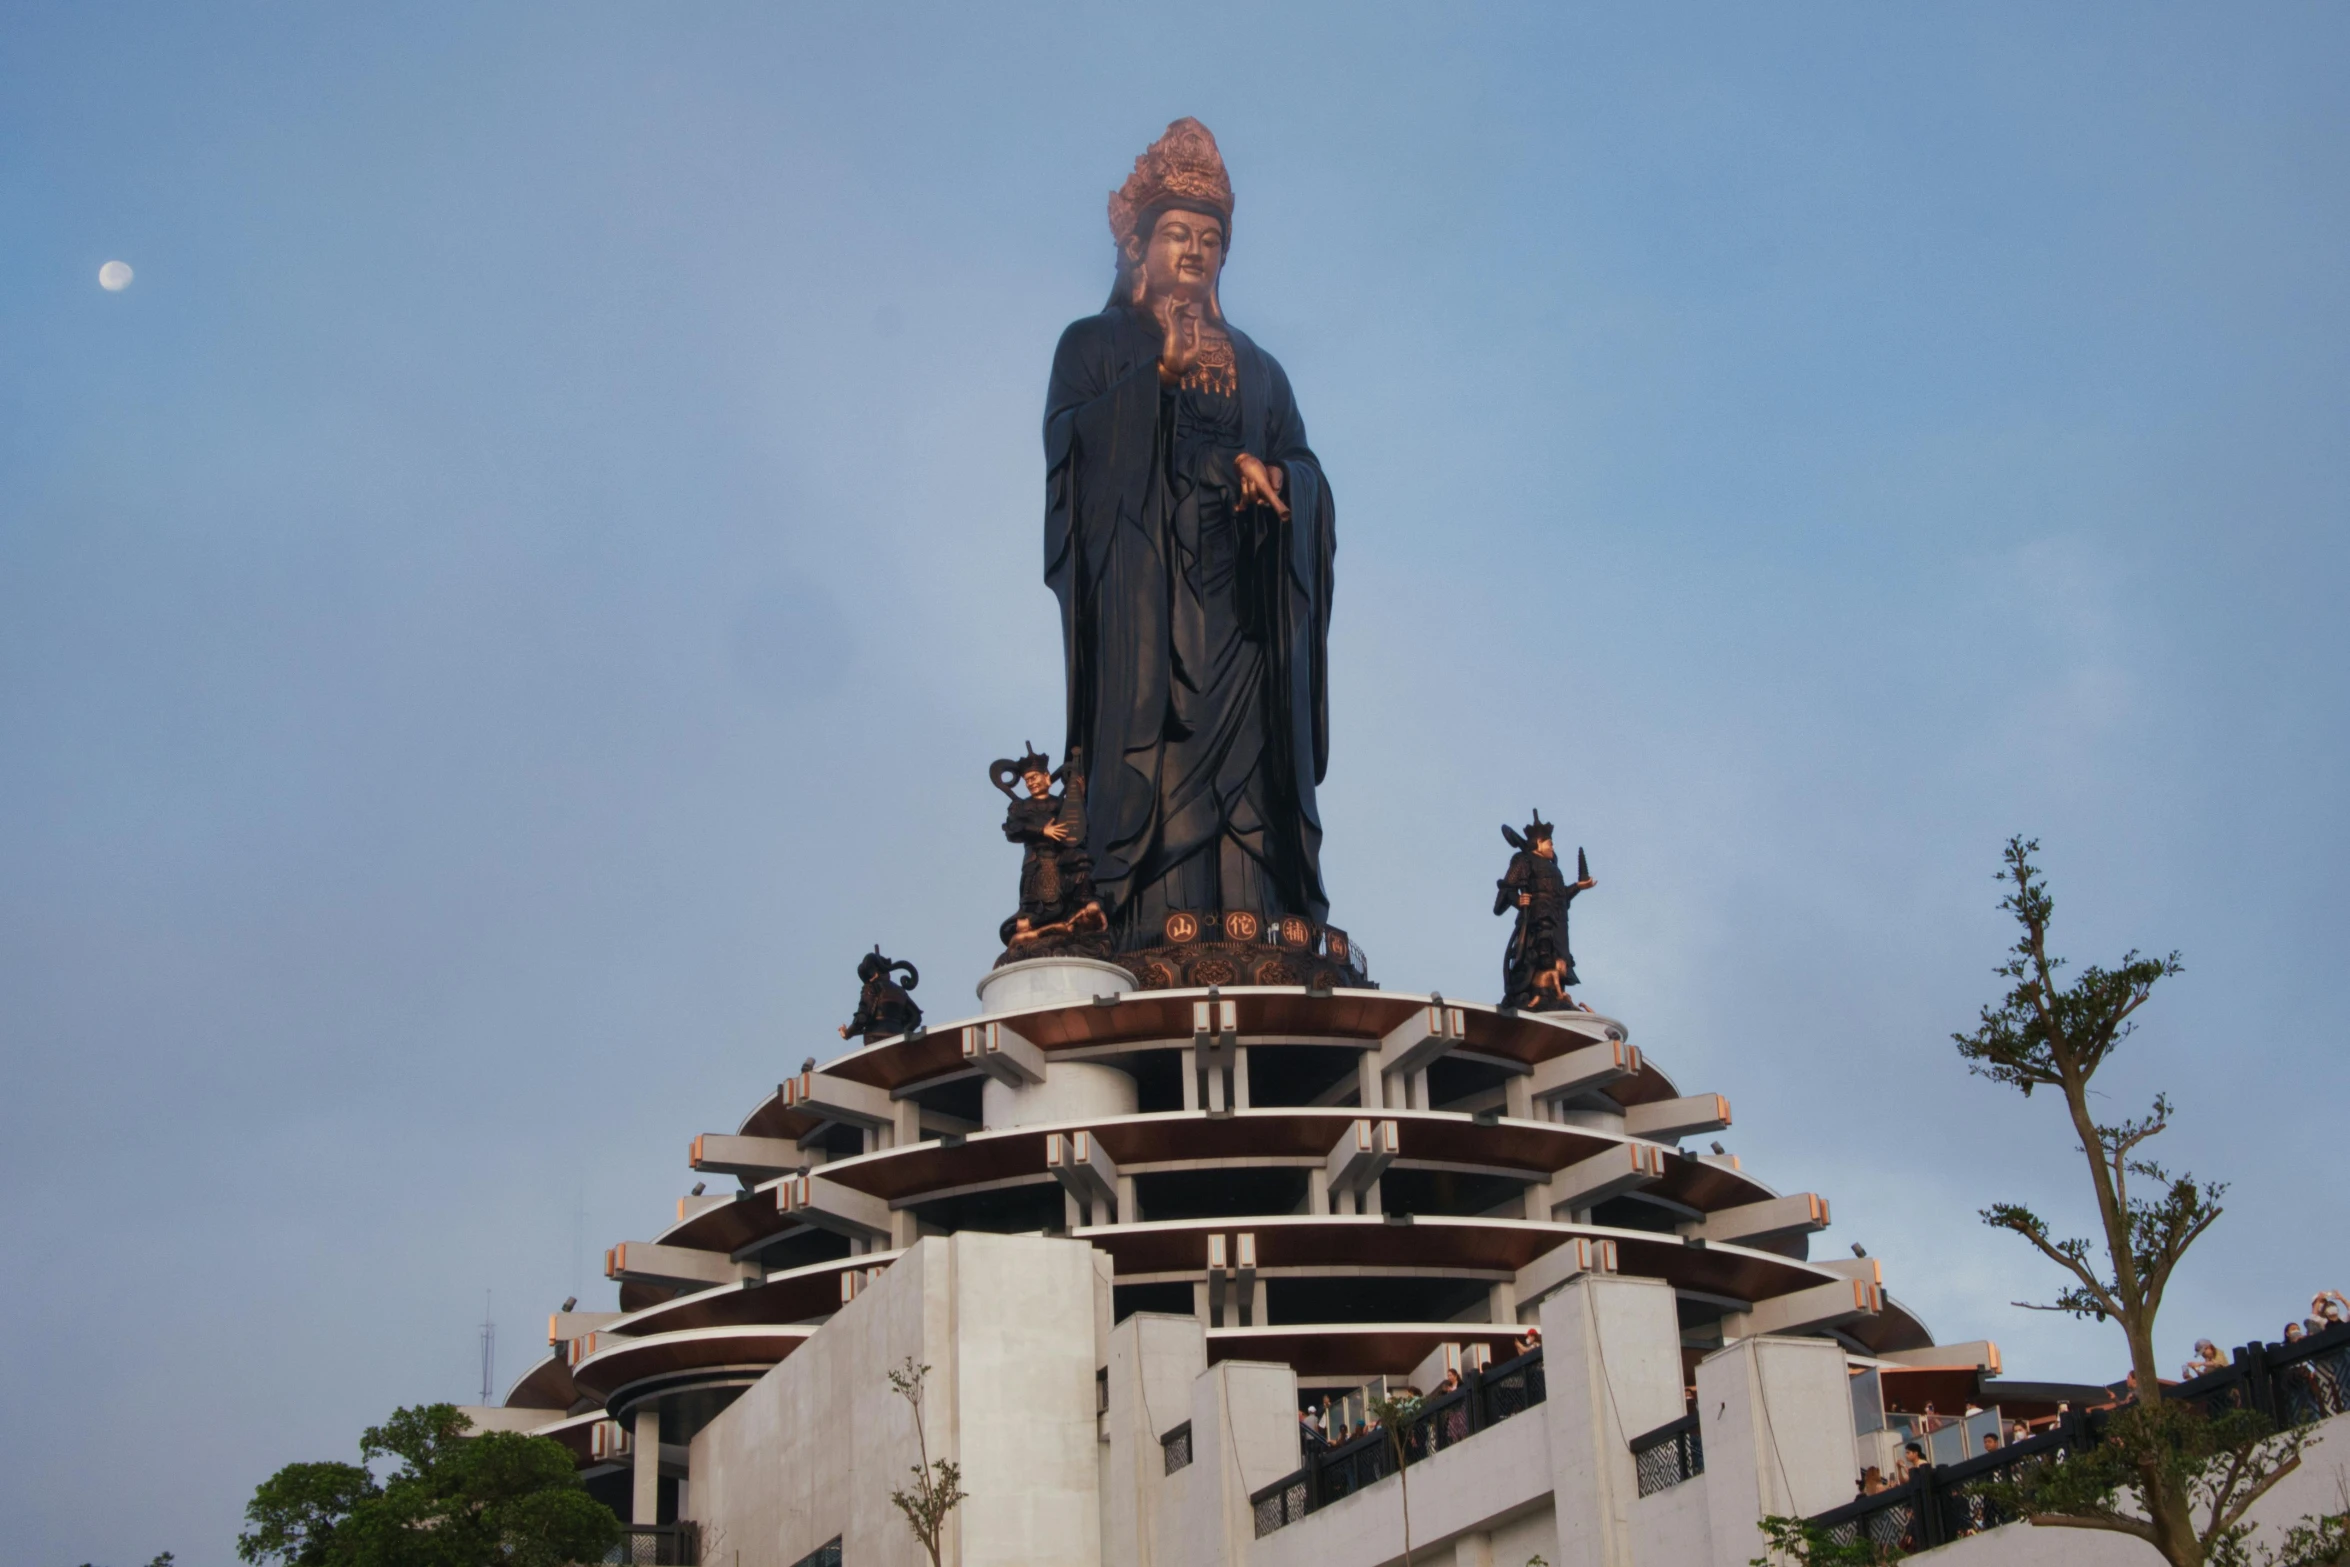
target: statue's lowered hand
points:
(1260, 485)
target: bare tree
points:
(1395, 1416)
(938, 1484)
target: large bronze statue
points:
(1188, 534)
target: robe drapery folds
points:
(1196, 651)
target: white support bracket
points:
(1002, 1054)
(564, 1326)
(838, 1099)
(1776, 1218)
(1232, 1279)
(1623, 1168)
(1581, 1071)
(649, 1263)
(1215, 1053)
(1670, 1120)
(1085, 1172)
(1569, 1260)
(825, 1203)
(1419, 1039)
(760, 1158)
(1362, 1155)
(1807, 1310)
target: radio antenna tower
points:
(489, 1350)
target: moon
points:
(115, 276)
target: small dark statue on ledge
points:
(884, 1008)
(1537, 968)
(1059, 910)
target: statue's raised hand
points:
(1180, 349)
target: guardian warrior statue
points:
(883, 1008)
(1537, 968)
(1059, 912)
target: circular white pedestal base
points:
(1071, 1091)
(1047, 982)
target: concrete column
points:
(1152, 1361)
(1367, 1080)
(1317, 1192)
(1612, 1357)
(1776, 1418)
(1240, 1077)
(1243, 1437)
(645, 1496)
(1129, 1210)
(1517, 1097)
(1501, 1301)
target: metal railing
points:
(1175, 1447)
(1484, 1398)
(1670, 1454)
(2291, 1384)
(657, 1545)
(1945, 1502)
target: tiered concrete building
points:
(1135, 1233)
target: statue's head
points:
(1172, 219)
(1538, 837)
(1180, 256)
(1039, 782)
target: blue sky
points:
(523, 587)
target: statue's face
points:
(1547, 849)
(1183, 255)
(1039, 784)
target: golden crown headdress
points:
(1182, 167)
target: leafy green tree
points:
(495, 1500)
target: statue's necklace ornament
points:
(1216, 370)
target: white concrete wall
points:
(1776, 1418)
(1496, 1483)
(1612, 1360)
(813, 1449)
(1672, 1528)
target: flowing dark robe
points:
(1195, 630)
